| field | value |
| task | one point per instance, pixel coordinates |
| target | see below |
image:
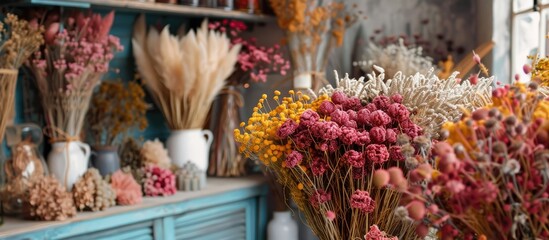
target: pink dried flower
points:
(159, 181)
(381, 178)
(348, 135)
(375, 234)
(391, 136)
(476, 58)
(308, 117)
(352, 115)
(399, 112)
(363, 138)
(353, 158)
(339, 97)
(363, 116)
(377, 153)
(326, 108)
(397, 98)
(320, 197)
(378, 134)
(371, 107)
(330, 215)
(327, 130)
(416, 210)
(293, 159)
(352, 103)
(287, 129)
(128, 191)
(379, 118)
(395, 153)
(302, 139)
(382, 102)
(340, 117)
(319, 166)
(362, 200)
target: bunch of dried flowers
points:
(130, 154)
(19, 39)
(326, 151)
(313, 29)
(68, 68)
(158, 181)
(128, 191)
(49, 200)
(116, 109)
(254, 61)
(184, 74)
(430, 100)
(395, 58)
(491, 176)
(93, 193)
(154, 153)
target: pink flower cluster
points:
(375, 234)
(362, 200)
(79, 52)
(320, 197)
(159, 181)
(253, 60)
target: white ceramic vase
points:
(68, 161)
(191, 145)
(282, 227)
(303, 81)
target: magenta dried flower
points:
(348, 135)
(353, 158)
(391, 136)
(293, 159)
(158, 181)
(371, 107)
(353, 115)
(308, 118)
(377, 153)
(375, 234)
(319, 166)
(379, 118)
(302, 139)
(362, 200)
(363, 116)
(320, 197)
(340, 117)
(326, 108)
(327, 130)
(363, 138)
(397, 98)
(399, 112)
(287, 129)
(378, 134)
(395, 153)
(339, 97)
(382, 102)
(352, 103)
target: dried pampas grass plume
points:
(432, 101)
(183, 74)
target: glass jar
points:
(25, 166)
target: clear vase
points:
(225, 159)
(25, 166)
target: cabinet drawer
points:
(138, 231)
(233, 221)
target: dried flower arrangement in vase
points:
(254, 63)
(116, 109)
(49, 200)
(66, 71)
(313, 29)
(18, 40)
(184, 75)
(128, 191)
(93, 193)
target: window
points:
(529, 28)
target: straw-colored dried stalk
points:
(65, 111)
(184, 74)
(8, 81)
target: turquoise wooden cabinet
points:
(231, 209)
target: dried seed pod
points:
(91, 192)
(49, 200)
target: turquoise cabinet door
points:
(138, 231)
(232, 221)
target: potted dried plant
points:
(116, 109)
(184, 74)
(313, 29)
(254, 63)
(66, 70)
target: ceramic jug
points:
(191, 145)
(105, 159)
(68, 161)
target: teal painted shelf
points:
(146, 7)
(228, 208)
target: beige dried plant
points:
(49, 200)
(93, 193)
(183, 73)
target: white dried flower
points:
(511, 167)
(395, 58)
(153, 152)
(401, 213)
(432, 101)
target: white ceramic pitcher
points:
(303, 81)
(68, 161)
(190, 145)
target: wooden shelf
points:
(146, 7)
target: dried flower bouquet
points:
(69, 67)
(184, 74)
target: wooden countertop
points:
(214, 186)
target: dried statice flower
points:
(430, 100)
(153, 152)
(49, 200)
(159, 181)
(91, 192)
(395, 58)
(128, 191)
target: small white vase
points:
(68, 161)
(303, 81)
(282, 227)
(191, 145)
